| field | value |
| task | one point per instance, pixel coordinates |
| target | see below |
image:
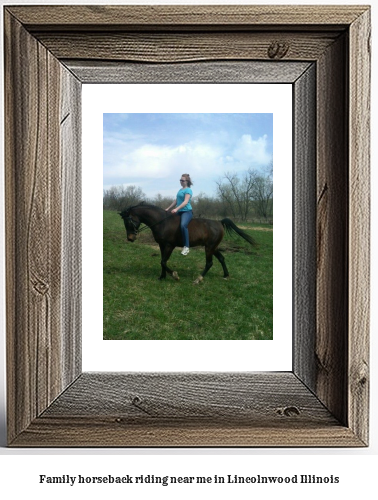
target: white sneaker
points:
(185, 251)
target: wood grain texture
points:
(304, 227)
(324, 401)
(100, 432)
(198, 72)
(185, 16)
(332, 230)
(180, 47)
(196, 409)
(70, 161)
(216, 396)
(34, 239)
(359, 226)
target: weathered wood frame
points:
(49, 53)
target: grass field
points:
(137, 306)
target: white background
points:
(185, 355)
(19, 469)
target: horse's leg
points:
(209, 263)
(221, 259)
(166, 252)
(162, 263)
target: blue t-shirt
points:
(181, 197)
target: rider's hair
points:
(188, 179)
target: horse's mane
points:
(143, 204)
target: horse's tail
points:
(231, 228)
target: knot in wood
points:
(278, 50)
(136, 400)
(41, 287)
(288, 411)
(140, 404)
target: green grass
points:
(137, 306)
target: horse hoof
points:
(198, 280)
(226, 278)
(175, 276)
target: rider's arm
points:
(183, 204)
(170, 206)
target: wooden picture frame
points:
(324, 51)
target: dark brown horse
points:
(165, 228)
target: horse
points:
(166, 230)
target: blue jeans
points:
(186, 217)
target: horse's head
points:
(131, 222)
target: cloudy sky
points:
(151, 151)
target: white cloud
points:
(156, 167)
(253, 153)
(158, 161)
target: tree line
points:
(243, 197)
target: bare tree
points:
(252, 192)
(262, 192)
(120, 197)
(161, 201)
(225, 193)
(207, 206)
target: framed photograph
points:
(147, 141)
(323, 52)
